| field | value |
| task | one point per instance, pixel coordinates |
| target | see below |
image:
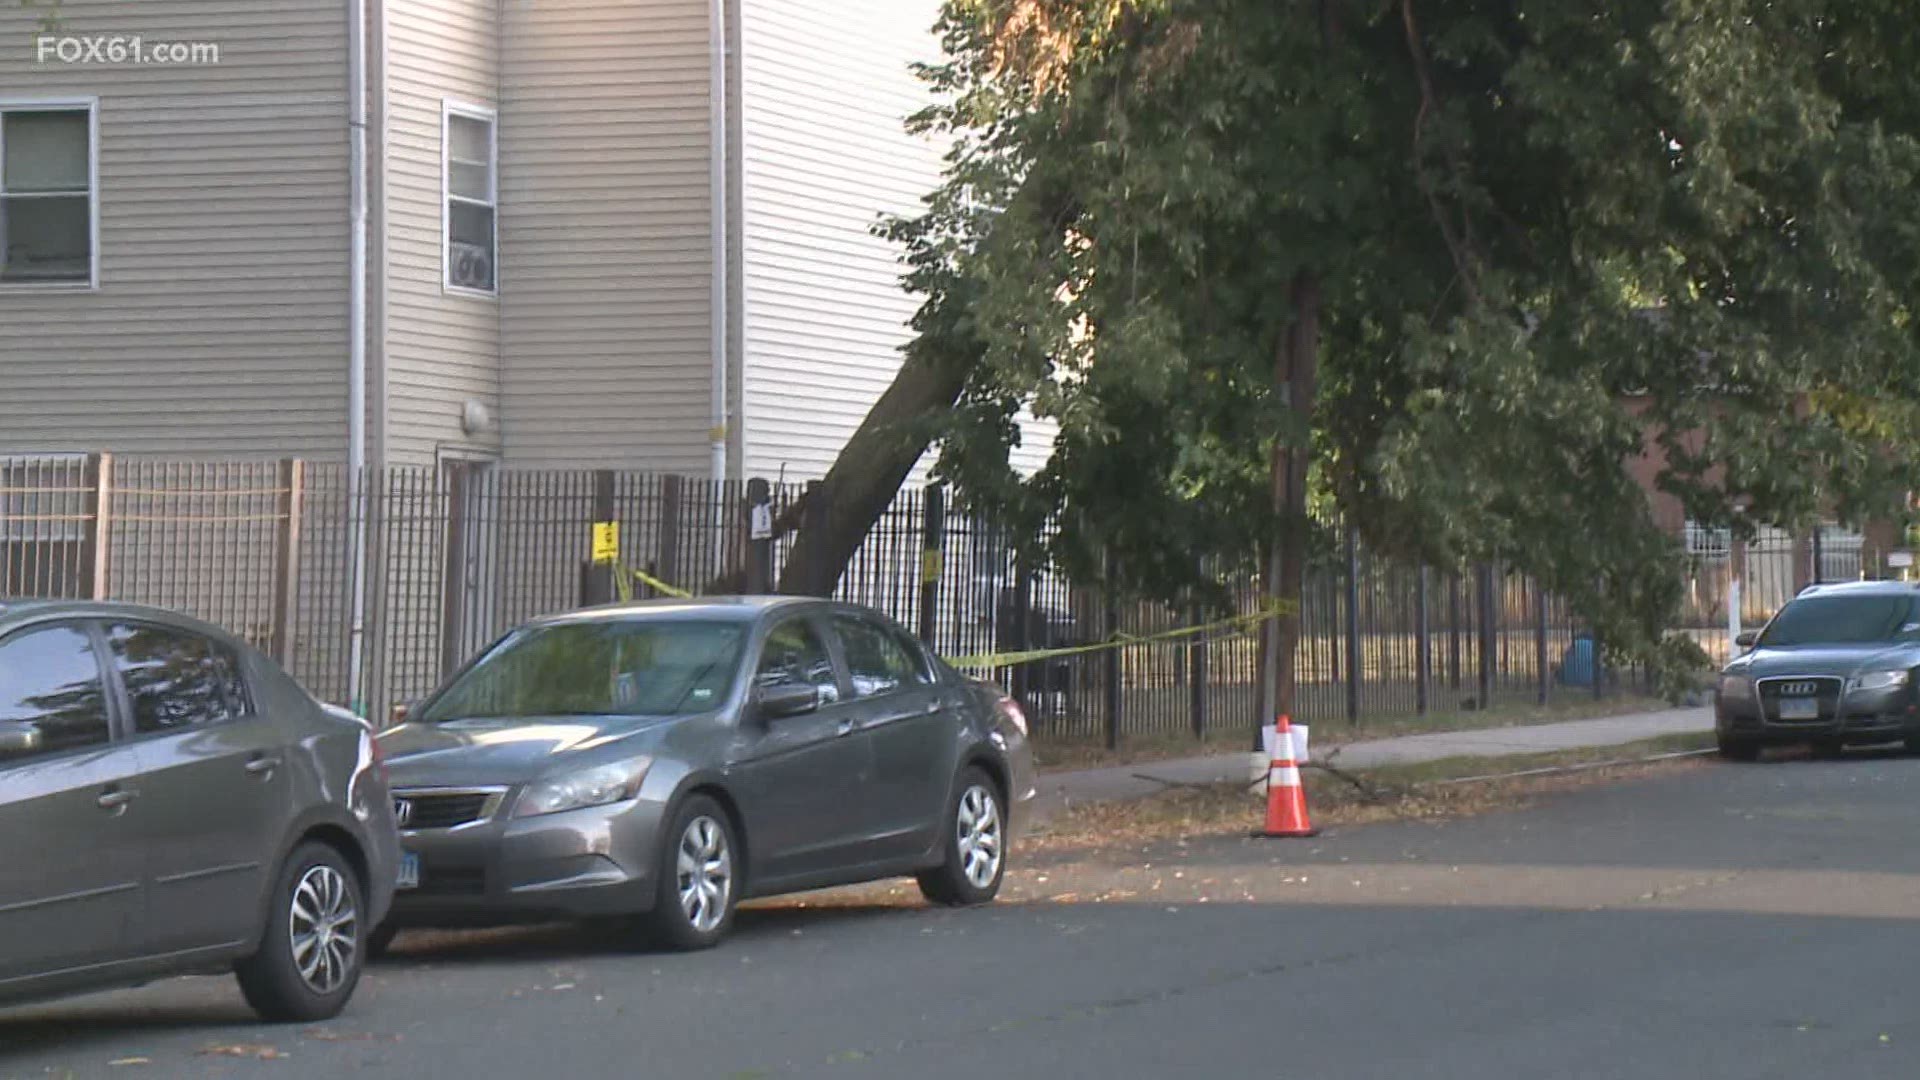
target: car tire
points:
(1739, 749)
(700, 878)
(973, 844)
(318, 903)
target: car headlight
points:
(1736, 688)
(1880, 680)
(597, 786)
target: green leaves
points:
(1549, 236)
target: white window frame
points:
(91, 105)
(449, 109)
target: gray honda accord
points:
(1838, 664)
(666, 760)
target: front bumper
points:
(576, 864)
(1871, 716)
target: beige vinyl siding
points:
(219, 325)
(827, 89)
(606, 229)
(442, 347)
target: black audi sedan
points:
(1838, 664)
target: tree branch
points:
(1460, 247)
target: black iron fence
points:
(456, 555)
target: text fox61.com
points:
(123, 49)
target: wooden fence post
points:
(286, 557)
(1110, 597)
(1197, 672)
(1489, 637)
(1540, 641)
(672, 503)
(759, 536)
(598, 578)
(1423, 647)
(96, 557)
(453, 573)
(933, 534)
(1356, 658)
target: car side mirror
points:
(18, 738)
(787, 699)
(1747, 639)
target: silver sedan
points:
(666, 760)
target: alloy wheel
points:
(324, 929)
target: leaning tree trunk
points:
(1296, 372)
(868, 474)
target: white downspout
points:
(357, 495)
(717, 184)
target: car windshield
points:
(1843, 620)
(598, 668)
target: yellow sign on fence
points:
(606, 541)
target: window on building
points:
(1707, 541)
(48, 203)
(470, 175)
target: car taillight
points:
(379, 758)
(1010, 709)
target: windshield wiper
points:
(693, 683)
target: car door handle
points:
(935, 706)
(847, 727)
(116, 799)
(262, 765)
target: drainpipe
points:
(717, 195)
(357, 338)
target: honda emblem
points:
(402, 812)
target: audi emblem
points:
(402, 812)
(1799, 689)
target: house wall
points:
(607, 233)
(442, 346)
(826, 91)
(219, 323)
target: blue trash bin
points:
(1576, 665)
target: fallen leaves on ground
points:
(257, 1051)
(1192, 811)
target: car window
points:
(1842, 620)
(597, 667)
(795, 655)
(50, 679)
(877, 660)
(176, 679)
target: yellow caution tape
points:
(625, 576)
(1009, 659)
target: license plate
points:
(1799, 708)
(409, 876)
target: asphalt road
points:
(1717, 921)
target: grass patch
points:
(1058, 755)
(1390, 793)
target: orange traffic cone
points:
(1286, 799)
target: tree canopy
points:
(1531, 234)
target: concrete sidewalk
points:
(1062, 789)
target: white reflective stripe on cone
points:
(1285, 774)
